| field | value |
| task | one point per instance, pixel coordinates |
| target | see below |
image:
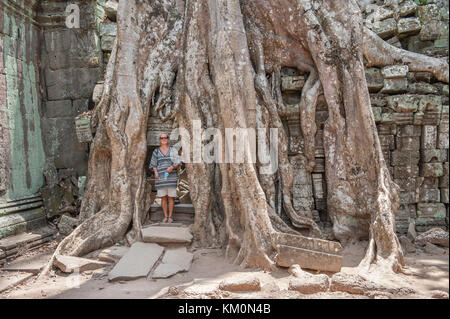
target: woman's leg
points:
(171, 204)
(164, 206)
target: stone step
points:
(167, 235)
(308, 253)
(10, 246)
(183, 213)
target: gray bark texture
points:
(219, 61)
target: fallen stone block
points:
(308, 259)
(167, 235)
(412, 232)
(113, 254)
(310, 285)
(242, 283)
(358, 285)
(70, 264)
(67, 224)
(137, 262)
(173, 262)
(436, 236)
(432, 249)
(407, 245)
(307, 283)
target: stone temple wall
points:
(21, 150)
(72, 64)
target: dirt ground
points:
(426, 273)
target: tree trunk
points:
(209, 61)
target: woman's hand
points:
(156, 176)
(170, 169)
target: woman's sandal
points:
(170, 220)
(165, 220)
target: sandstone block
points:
(432, 170)
(395, 85)
(70, 264)
(137, 262)
(408, 26)
(241, 283)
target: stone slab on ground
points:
(113, 254)
(32, 264)
(70, 264)
(137, 262)
(308, 259)
(241, 283)
(9, 281)
(432, 249)
(173, 262)
(167, 235)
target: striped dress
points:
(162, 163)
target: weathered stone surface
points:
(70, 264)
(32, 264)
(394, 71)
(431, 249)
(410, 143)
(432, 170)
(409, 130)
(242, 283)
(386, 28)
(107, 43)
(396, 85)
(108, 29)
(356, 284)
(408, 26)
(405, 158)
(12, 281)
(430, 214)
(435, 236)
(429, 137)
(431, 155)
(110, 7)
(62, 108)
(412, 234)
(173, 262)
(137, 262)
(113, 254)
(165, 235)
(429, 195)
(292, 83)
(308, 259)
(407, 245)
(67, 224)
(374, 79)
(407, 7)
(422, 88)
(98, 91)
(307, 283)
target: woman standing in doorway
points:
(164, 162)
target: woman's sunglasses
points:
(163, 138)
